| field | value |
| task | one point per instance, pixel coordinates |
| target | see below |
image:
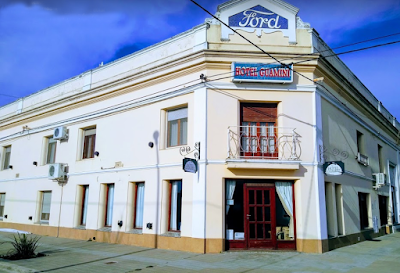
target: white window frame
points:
(42, 199)
(109, 204)
(180, 116)
(2, 204)
(49, 142)
(6, 157)
(91, 131)
(84, 205)
(174, 225)
(140, 189)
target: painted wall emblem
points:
(258, 17)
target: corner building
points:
(100, 155)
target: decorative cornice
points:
(302, 25)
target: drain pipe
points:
(59, 214)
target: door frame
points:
(242, 244)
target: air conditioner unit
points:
(379, 179)
(363, 159)
(60, 133)
(57, 171)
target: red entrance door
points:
(259, 215)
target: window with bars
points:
(51, 150)
(45, 206)
(7, 156)
(89, 142)
(177, 127)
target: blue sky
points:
(43, 42)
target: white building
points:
(114, 139)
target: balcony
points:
(263, 144)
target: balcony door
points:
(258, 130)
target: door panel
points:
(260, 225)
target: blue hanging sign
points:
(258, 17)
(256, 72)
(189, 165)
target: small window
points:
(175, 206)
(85, 201)
(51, 150)
(2, 203)
(360, 142)
(177, 127)
(364, 214)
(139, 206)
(7, 156)
(45, 206)
(89, 143)
(380, 159)
(109, 205)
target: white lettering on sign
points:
(251, 19)
(190, 167)
(334, 169)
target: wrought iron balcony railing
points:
(263, 142)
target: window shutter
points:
(259, 112)
(177, 114)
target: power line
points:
(130, 102)
(300, 74)
(342, 46)
(351, 51)
(327, 56)
(238, 33)
(365, 41)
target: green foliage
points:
(24, 246)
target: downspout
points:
(205, 155)
(59, 214)
(205, 173)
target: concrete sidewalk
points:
(67, 255)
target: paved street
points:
(67, 255)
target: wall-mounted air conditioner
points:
(57, 172)
(379, 179)
(60, 133)
(363, 159)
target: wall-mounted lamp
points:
(10, 167)
(35, 163)
(120, 223)
(96, 153)
(30, 217)
(5, 216)
(149, 225)
(151, 144)
(203, 77)
(320, 79)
